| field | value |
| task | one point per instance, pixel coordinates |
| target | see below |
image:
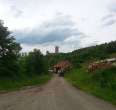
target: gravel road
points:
(56, 95)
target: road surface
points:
(56, 95)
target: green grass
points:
(7, 85)
(101, 83)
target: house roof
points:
(63, 64)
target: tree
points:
(35, 63)
(9, 52)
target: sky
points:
(69, 24)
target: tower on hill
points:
(56, 49)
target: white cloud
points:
(59, 31)
(94, 18)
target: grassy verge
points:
(11, 85)
(101, 83)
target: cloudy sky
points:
(70, 24)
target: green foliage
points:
(92, 53)
(9, 52)
(102, 83)
(12, 84)
(105, 78)
(33, 64)
(15, 70)
(52, 59)
(84, 55)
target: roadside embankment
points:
(101, 83)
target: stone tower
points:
(56, 49)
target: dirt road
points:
(56, 95)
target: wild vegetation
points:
(16, 70)
(85, 55)
(9, 53)
(101, 83)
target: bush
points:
(106, 78)
(101, 83)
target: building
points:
(56, 49)
(47, 52)
(62, 66)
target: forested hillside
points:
(93, 53)
(88, 54)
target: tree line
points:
(12, 64)
(85, 55)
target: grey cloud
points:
(110, 19)
(15, 11)
(110, 22)
(113, 8)
(57, 30)
(109, 16)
